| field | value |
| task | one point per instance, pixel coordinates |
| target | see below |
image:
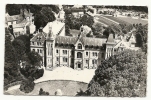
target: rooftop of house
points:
(19, 16)
(56, 27)
(40, 36)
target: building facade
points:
(77, 52)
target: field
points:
(133, 21)
(116, 19)
(68, 88)
(121, 20)
(105, 21)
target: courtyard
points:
(60, 75)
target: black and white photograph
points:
(75, 50)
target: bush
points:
(41, 92)
(27, 86)
(32, 72)
(122, 75)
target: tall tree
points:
(121, 75)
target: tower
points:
(50, 44)
(109, 46)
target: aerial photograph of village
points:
(75, 50)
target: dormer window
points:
(79, 46)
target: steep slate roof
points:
(66, 40)
(93, 41)
(40, 35)
(84, 40)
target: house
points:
(21, 23)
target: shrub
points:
(41, 92)
(32, 72)
(27, 86)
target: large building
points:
(77, 52)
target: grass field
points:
(122, 20)
(117, 19)
(133, 21)
(68, 88)
(105, 21)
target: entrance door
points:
(79, 66)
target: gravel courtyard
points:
(66, 73)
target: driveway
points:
(66, 73)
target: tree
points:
(10, 67)
(19, 48)
(98, 28)
(121, 75)
(34, 59)
(87, 20)
(26, 41)
(43, 17)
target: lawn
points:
(105, 21)
(116, 19)
(68, 88)
(133, 21)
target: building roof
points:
(85, 40)
(56, 27)
(38, 37)
(12, 18)
(110, 38)
(66, 40)
(20, 25)
(93, 41)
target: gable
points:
(122, 44)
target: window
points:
(94, 61)
(64, 59)
(32, 43)
(86, 53)
(40, 51)
(93, 54)
(57, 51)
(79, 46)
(102, 55)
(87, 61)
(96, 54)
(37, 43)
(57, 58)
(79, 55)
(33, 49)
(64, 51)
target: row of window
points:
(94, 53)
(38, 50)
(93, 61)
(64, 52)
(64, 59)
(38, 43)
(87, 61)
(79, 55)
